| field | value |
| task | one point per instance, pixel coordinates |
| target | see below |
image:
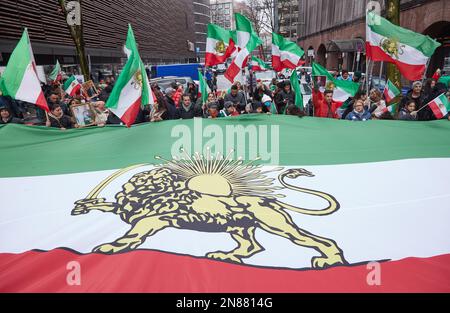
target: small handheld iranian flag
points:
(390, 91)
(247, 40)
(220, 45)
(203, 89)
(258, 65)
(408, 50)
(132, 88)
(20, 80)
(384, 109)
(285, 53)
(342, 89)
(72, 86)
(55, 75)
(440, 106)
(298, 92)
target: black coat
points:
(63, 122)
(284, 99)
(172, 109)
(11, 120)
(425, 114)
(194, 111)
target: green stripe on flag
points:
(218, 33)
(287, 45)
(94, 149)
(69, 82)
(347, 86)
(203, 87)
(243, 24)
(260, 62)
(54, 74)
(391, 87)
(11, 78)
(298, 91)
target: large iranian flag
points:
(132, 88)
(408, 50)
(285, 53)
(247, 41)
(342, 89)
(20, 80)
(310, 219)
(440, 106)
(219, 45)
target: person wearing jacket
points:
(359, 113)
(417, 95)
(408, 113)
(324, 105)
(188, 110)
(285, 97)
(171, 107)
(57, 119)
(6, 116)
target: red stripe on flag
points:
(152, 271)
(386, 95)
(212, 59)
(436, 111)
(232, 72)
(276, 63)
(42, 103)
(278, 66)
(130, 115)
(411, 72)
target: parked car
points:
(266, 77)
(166, 82)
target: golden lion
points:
(212, 201)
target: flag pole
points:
(426, 105)
(426, 70)
(381, 72)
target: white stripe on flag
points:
(406, 54)
(129, 95)
(30, 87)
(410, 219)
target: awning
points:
(351, 45)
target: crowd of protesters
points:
(175, 103)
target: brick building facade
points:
(336, 30)
(162, 29)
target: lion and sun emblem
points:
(220, 47)
(392, 47)
(212, 194)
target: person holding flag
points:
(440, 106)
(327, 99)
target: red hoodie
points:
(321, 108)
